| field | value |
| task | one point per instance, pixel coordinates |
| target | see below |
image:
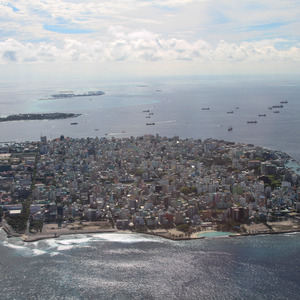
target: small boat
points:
(230, 112)
(148, 117)
(276, 111)
(251, 122)
(270, 107)
(237, 107)
(263, 115)
(147, 110)
(96, 129)
(277, 106)
(74, 123)
(205, 108)
(150, 123)
(284, 102)
(150, 114)
(230, 128)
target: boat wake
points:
(164, 122)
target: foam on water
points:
(119, 266)
(51, 243)
(38, 252)
(291, 233)
(57, 246)
(64, 248)
(23, 249)
(53, 246)
(73, 241)
(125, 238)
(14, 246)
(162, 122)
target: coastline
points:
(39, 117)
(35, 238)
(171, 234)
(39, 237)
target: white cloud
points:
(204, 19)
(144, 46)
(199, 31)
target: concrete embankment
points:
(43, 236)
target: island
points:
(71, 94)
(169, 187)
(39, 116)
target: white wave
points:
(53, 247)
(38, 252)
(64, 248)
(125, 237)
(25, 250)
(64, 241)
(52, 243)
(73, 241)
(162, 122)
(291, 233)
(14, 246)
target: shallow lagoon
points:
(214, 234)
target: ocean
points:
(137, 266)
(176, 104)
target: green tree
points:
(183, 227)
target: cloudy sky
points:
(153, 36)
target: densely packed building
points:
(146, 182)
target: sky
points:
(150, 37)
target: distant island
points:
(46, 116)
(71, 94)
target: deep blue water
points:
(133, 266)
(177, 106)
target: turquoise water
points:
(214, 233)
(293, 165)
